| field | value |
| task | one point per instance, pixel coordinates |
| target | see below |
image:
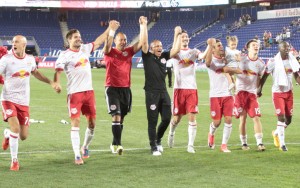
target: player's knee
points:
(23, 137)
(288, 121)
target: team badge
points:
(163, 61)
(240, 109)
(9, 111)
(278, 111)
(175, 110)
(196, 108)
(152, 106)
(113, 107)
(125, 54)
(213, 113)
(73, 110)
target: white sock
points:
(226, 133)
(280, 130)
(243, 139)
(14, 145)
(258, 137)
(212, 128)
(89, 134)
(75, 139)
(172, 127)
(192, 131)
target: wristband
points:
(111, 33)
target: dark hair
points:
(70, 33)
(218, 40)
(184, 31)
(250, 41)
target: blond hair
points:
(232, 39)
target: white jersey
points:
(252, 69)
(16, 72)
(184, 68)
(77, 67)
(217, 79)
(231, 57)
(289, 72)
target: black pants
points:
(169, 73)
(157, 103)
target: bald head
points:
(19, 45)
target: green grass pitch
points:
(47, 159)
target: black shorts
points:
(118, 100)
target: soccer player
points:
(282, 67)
(221, 100)
(117, 84)
(185, 96)
(16, 68)
(157, 97)
(246, 89)
(75, 62)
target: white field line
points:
(128, 149)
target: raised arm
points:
(109, 37)
(143, 37)
(177, 41)
(209, 51)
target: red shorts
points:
(185, 101)
(283, 103)
(248, 102)
(221, 106)
(10, 109)
(82, 102)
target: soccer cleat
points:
(171, 139)
(5, 141)
(160, 148)
(276, 139)
(78, 160)
(119, 150)
(113, 148)
(224, 148)
(261, 147)
(211, 141)
(85, 153)
(155, 152)
(283, 148)
(190, 149)
(245, 147)
(15, 165)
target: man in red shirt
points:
(118, 68)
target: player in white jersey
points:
(16, 69)
(221, 100)
(282, 67)
(246, 89)
(75, 63)
(185, 97)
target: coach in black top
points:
(157, 98)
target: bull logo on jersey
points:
(288, 70)
(249, 72)
(82, 62)
(21, 74)
(186, 62)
